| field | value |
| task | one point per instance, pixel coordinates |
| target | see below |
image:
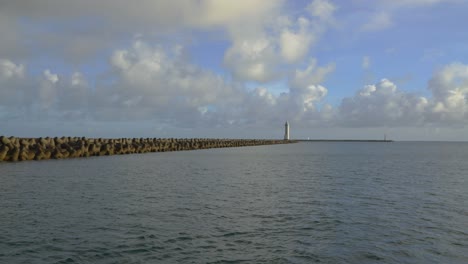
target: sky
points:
(334, 69)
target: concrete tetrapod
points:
(23, 149)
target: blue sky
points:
(333, 69)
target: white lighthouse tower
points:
(286, 131)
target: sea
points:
(310, 202)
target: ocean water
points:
(327, 202)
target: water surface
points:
(327, 202)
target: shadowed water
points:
(324, 202)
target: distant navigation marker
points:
(286, 131)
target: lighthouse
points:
(286, 131)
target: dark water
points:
(300, 203)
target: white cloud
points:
(306, 92)
(384, 11)
(378, 21)
(263, 34)
(52, 78)
(155, 83)
(48, 90)
(10, 70)
(323, 9)
(449, 87)
(12, 82)
(261, 53)
(311, 75)
(382, 104)
(78, 79)
(306, 97)
(47, 96)
(252, 59)
(295, 45)
(366, 62)
(73, 97)
(159, 84)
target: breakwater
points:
(22, 149)
(346, 140)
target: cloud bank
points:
(154, 83)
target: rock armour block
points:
(22, 149)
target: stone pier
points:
(22, 149)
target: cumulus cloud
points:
(449, 87)
(264, 38)
(157, 83)
(259, 53)
(46, 96)
(382, 104)
(294, 45)
(312, 74)
(323, 9)
(9, 70)
(160, 85)
(299, 104)
(252, 59)
(305, 99)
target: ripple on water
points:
(300, 203)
